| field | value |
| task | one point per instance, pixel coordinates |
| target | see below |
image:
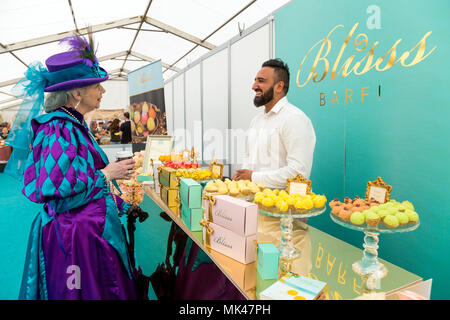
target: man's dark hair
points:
(127, 115)
(281, 72)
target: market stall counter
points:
(322, 257)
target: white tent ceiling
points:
(129, 34)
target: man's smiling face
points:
(263, 86)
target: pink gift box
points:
(231, 244)
(234, 214)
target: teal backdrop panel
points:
(388, 120)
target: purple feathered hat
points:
(75, 68)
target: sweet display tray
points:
(239, 196)
(293, 213)
(379, 228)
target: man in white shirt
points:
(281, 137)
(280, 145)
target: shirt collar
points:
(278, 106)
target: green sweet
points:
(372, 218)
(357, 218)
(408, 205)
(382, 213)
(402, 218)
(391, 221)
(391, 210)
(412, 215)
(365, 212)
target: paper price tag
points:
(298, 185)
(300, 188)
(377, 193)
(378, 190)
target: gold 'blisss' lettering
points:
(318, 58)
(349, 66)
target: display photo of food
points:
(147, 118)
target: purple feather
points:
(81, 47)
(76, 44)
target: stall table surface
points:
(323, 257)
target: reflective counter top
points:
(323, 257)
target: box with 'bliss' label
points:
(234, 214)
(231, 244)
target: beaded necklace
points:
(89, 131)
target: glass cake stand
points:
(369, 268)
(288, 253)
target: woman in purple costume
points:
(77, 248)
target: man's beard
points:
(263, 99)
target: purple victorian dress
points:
(77, 248)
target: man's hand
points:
(243, 174)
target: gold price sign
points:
(378, 190)
(298, 185)
(216, 168)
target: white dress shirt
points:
(280, 145)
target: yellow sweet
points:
(283, 193)
(245, 190)
(308, 203)
(290, 201)
(299, 204)
(258, 198)
(211, 188)
(272, 196)
(259, 194)
(254, 189)
(267, 202)
(278, 203)
(283, 196)
(267, 191)
(319, 201)
(282, 205)
(233, 184)
(276, 191)
(251, 185)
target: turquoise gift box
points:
(142, 178)
(305, 284)
(190, 193)
(191, 217)
(267, 263)
(293, 287)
